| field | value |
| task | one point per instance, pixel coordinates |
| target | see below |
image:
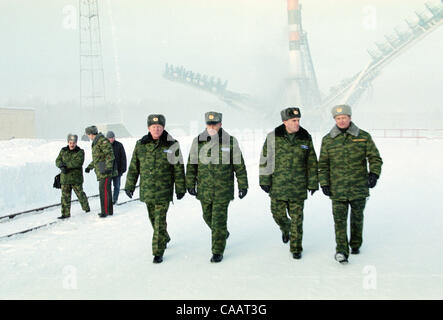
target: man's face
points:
(111, 140)
(213, 128)
(91, 136)
(155, 130)
(343, 121)
(72, 144)
(292, 125)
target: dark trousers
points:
(116, 182)
(105, 196)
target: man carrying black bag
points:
(70, 161)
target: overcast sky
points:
(243, 41)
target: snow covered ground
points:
(92, 258)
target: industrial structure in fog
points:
(301, 80)
(92, 79)
(204, 82)
(403, 37)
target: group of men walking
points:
(289, 169)
(108, 163)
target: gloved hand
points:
(87, 169)
(312, 191)
(64, 169)
(242, 193)
(108, 171)
(372, 180)
(265, 188)
(326, 190)
(180, 196)
(192, 191)
(129, 193)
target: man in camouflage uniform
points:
(288, 168)
(214, 158)
(343, 175)
(158, 161)
(104, 166)
(70, 161)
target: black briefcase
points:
(57, 183)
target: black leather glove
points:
(87, 170)
(312, 191)
(180, 196)
(265, 188)
(372, 180)
(108, 171)
(64, 169)
(192, 191)
(242, 193)
(326, 190)
(129, 193)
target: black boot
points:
(285, 237)
(63, 217)
(102, 215)
(296, 255)
(216, 258)
(158, 259)
(355, 251)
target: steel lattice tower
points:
(92, 80)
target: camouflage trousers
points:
(340, 212)
(157, 216)
(66, 198)
(293, 225)
(215, 215)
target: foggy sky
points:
(243, 41)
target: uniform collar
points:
(280, 131)
(205, 137)
(352, 130)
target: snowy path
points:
(89, 257)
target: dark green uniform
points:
(105, 168)
(343, 166)
(288, 165)
(73, 178)
(159, 164)
(211, 166)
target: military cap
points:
(341, 109)
(156, 119)
(72, 137)
(289, 113)
(110, 134)
(91, 130)
(213, 117)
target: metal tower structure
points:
(92, 81)
(302, 82)
(405, 36)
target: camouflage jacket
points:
(289, 167)
(103, 158)
(343, 163)
(159, 163)
(211, 166)
(73, 160)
